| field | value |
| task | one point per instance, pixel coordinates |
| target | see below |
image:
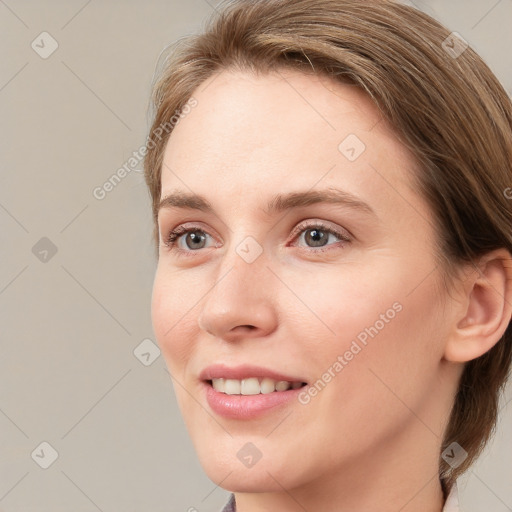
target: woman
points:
(333, 293)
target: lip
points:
(218, 371)
(246, 407)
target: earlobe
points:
(487, 310)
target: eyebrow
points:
(277, 204)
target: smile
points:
(253, 385)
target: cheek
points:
(374, 323)
(333, 307)
(401, 346)
(374, 372)
(172, 315)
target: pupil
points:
(316, 236)
(195, 238)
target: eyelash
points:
(175, 234)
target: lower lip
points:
(246, 407)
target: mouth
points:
(253, 385)
(247, 392)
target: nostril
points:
(247, 327)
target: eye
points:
(317, 235)
(192, 238)
(314, 234)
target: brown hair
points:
(446, 106)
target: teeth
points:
(267, 385)
(232, 387)
(252, 386)
(218, 385)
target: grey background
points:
(71, 321)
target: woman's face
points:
(274, 280)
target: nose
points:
(240, 301)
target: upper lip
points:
(245, 371)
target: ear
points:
(485, 309)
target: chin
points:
(262, 476)
(248, 480)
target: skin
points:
(370, 440)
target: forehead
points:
(250, 135)
(254, 107)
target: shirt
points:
(451, 504)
